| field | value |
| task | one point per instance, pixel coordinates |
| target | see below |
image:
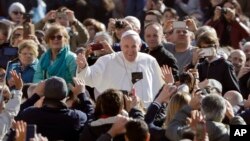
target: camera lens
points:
(119, 24)
(223, 10)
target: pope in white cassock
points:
(114, 70)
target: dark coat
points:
(164, 57)
(60, 123)
(220, 70)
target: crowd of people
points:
(131, 70)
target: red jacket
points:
(238, 31)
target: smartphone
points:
(179, 24)
(96, 46)
(200, 131)
(136, 76)
(31, 131)
(205, 52)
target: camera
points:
(119, 24)
(61, 15)
(27, 17)
(96, 46)
(223, 11)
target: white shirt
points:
(10, 111)
(114, 71)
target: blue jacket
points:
(27, 73)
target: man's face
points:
(181, 36)
(130, 47)
(153, 36)
(238, 60)
(150, 18)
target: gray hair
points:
(135, 22)
(215, 112)
(106, 37)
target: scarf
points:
(57, 68)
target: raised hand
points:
(167, 74)
(78, 88)
(81, 61)
(166, 93)
(18, 82)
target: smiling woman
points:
(58, 60)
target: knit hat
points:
(55, 88)
(16, 6)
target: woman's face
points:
(16, 16)
(92, 32)
(26, 56)
(57, 41)
(17, 37)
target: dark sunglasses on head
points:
(58, 37)
(17, 12)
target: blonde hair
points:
(175, 104)
(53, 29)
(30, 44)
(19, 27)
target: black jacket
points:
(244, 83)
(221, 70)
(156, 133)
(164, 57)
(7, 53)
(99, 127)
(59, 123)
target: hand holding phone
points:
(96, 46)
(179, 25)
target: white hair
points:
(135, 22)
(16, 6)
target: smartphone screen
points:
(200, 131)
(136, 76)
(31, 131)
(205, 52)
(179, 24)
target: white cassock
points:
(114, 71)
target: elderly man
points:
(238, 59)
(117, 70)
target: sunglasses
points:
(58, 37)
(16, 35)
(17, 12)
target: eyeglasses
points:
(16, 35)
(26, 54)
(57, 37)
(17, 12)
